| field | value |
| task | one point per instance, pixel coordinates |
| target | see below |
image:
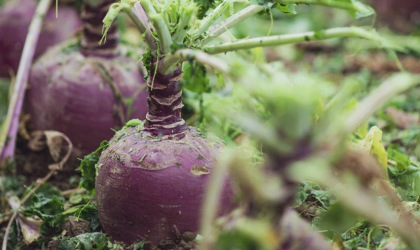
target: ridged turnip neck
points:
(92, 16)
(165, 104)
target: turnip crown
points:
(165, 104)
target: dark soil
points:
(34, 165)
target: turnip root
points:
(83, 89)
(15, 18)
(162, 168)
(145, 186)
(151, 178)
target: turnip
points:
(151, 179)
(15, 18)
(84, 89)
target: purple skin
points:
(68, 94)
(147, 184)
(15, 18)
(144, 198)
(71, 85)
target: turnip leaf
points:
(88, 168)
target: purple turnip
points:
(84, 89)
(151, 178)
(15, 18)
(162, 168)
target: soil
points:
(34, 165)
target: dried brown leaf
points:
(37, 141)
(54, 142)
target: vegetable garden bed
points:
(287, 139)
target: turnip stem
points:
(356, 6)
(10, 125)
(169, 62)
(208, 20)
(381, 95)
(165, 40)
(137, 14)
(220, 28)
(92, 30)
(293, 38)
(179, 35)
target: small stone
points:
(53, 245)
(188, 236)
(311, 210)
(78, 226)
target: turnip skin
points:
(15, 18)
(145, 185)
(73, 85)
(68, 94)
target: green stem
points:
(169, 63)
(137, 14)
(293, 38)
(165, 40)
(355, 6)
(220, 28)
(209, 20)
(379, 97)
(179, 35)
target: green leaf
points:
(373, 145)
(134, 123)
(87, 241)
(288, 9)
(88, 171)
(88, 212)
(139, 245)
(195, 78)
(48, 209)
(46, 190)
(88, 168)
(203, 7)
(403, 161)
(13, 183)
(147, 61)
(364, 10)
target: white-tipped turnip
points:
(84, 89)
(15, 18)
